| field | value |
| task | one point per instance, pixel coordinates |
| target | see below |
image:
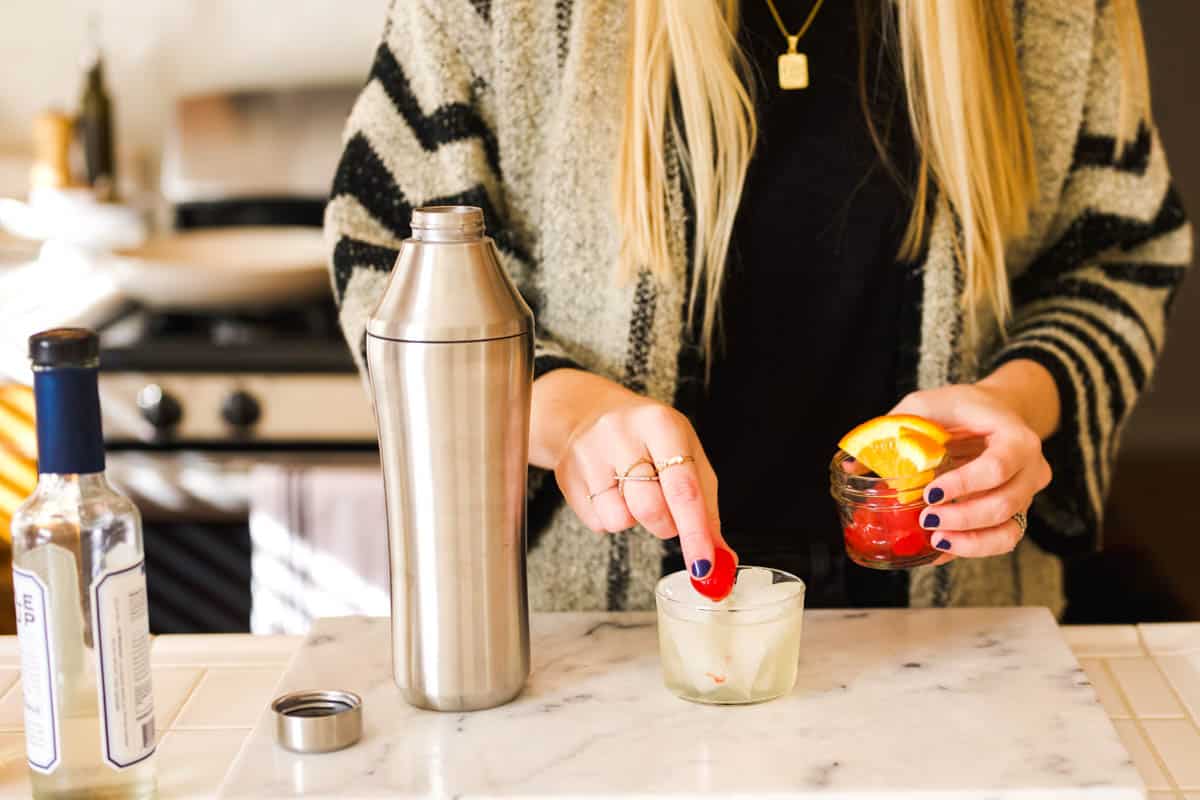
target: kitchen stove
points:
(241, 379)
(200, 402)
(194, 402)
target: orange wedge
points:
(915, 484)
(898, 446)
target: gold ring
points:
(625, 476)
(673, 461)
(594, 495)
(1022, 520)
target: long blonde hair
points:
(966, 108)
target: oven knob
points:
(159, 407)
(240, 409)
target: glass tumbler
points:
(743, 649)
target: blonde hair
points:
(966, 108)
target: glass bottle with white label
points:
(80, 583)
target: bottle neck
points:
(65, 484)
(67, 405)
(448, 235)
(95, 79)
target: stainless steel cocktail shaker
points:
(450, 356)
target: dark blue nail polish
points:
(931, 521)
(936, 495)
(700, 568)
(944, 544)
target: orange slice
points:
(898, 446)
(914, 483)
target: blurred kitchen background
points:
(233, 413)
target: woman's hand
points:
(589, 430)
(972, 508)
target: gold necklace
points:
(793, 66)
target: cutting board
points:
(946, 703)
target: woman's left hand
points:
(972, 508)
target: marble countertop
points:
(210, 692)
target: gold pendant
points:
(793, 67)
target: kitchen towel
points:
(318, 537)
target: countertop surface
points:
(967, 703)
(210, 692)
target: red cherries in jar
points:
(887, 537)
(882, 525)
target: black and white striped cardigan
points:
(515, 106)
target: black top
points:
(811, 305)
(64, 347)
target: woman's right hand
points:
(589, 430)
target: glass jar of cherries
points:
(881, 518)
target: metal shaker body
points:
(450, 357)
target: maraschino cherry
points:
(719, 582)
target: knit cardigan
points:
(515, 106)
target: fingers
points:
(971, 507)
(684, 493)
(979, 523)
(1005, 455)
(695, 515)
(681, 502)
(987, 509)
(575, 492)
(596, 468)
(993, 541)
(646, 503)
(589, 483)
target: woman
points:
(966, 215)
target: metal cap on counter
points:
(317, 721)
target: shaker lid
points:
(318, 721)
(448, 284)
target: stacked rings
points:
(625, 476)
(619, 479)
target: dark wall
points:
(1168, 418)
(1150, 568)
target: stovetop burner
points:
(304, 338)
(246, 326)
